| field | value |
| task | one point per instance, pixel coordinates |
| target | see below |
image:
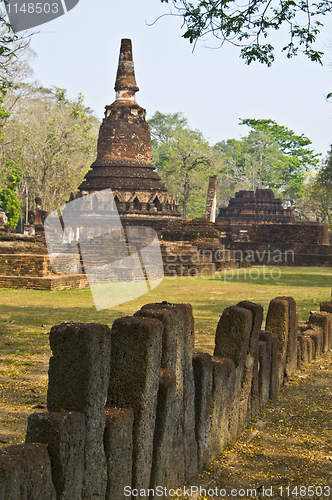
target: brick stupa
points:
(257, 207)
(124, 153)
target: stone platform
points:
(24, 263)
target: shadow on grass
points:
(275, 276)
(34, 316)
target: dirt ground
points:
(287, 447)
(19, 397)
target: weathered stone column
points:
(316, 334)
(25, 472)
(263, 375)
(118, 442)
(271, 341)
(302, 339)
(310, 347)
(252, 353)
(211, 199)
(277, 322)
(291, 355)
(163, 472)
(78, 379)
(64, 433)
(324, 320)
(232, 341)
(177, 356)
(326, 306)
(224, 378)
(134, 382)
(203, 368)
(254, 402)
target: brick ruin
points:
(25, 263)
(124, 153)
(251, 208)
(169, 410)
(257, 207)
(123, 164)
(247, 232)
(263, 232)
(211, 199)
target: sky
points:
(212, 87)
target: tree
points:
(13, 65)
(183, 159)
(296, 158)
(309, 207)
(8, 193)
(270, 156)
(52, 140)
(252, 162)
(322, 190)
(248, 25)
(11, 47)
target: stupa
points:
(124, 161)
(257, 207)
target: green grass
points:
(26, 314)
(26, 317)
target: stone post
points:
(271, 341)
(25, 473)
(232, 341)
(177, 356)
(118, 443)
(291, 355)
(163, 473)
(221, 404)
(134, 382)
(252, 353)
(324, 320)
(64, 434)
(203, 369)
(277, 322)
(78, 380)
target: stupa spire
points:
(125, 85)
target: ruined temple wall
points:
(169, 411)
(19, 243)
(25, 263)
(290, 233)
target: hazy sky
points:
(213, 88)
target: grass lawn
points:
(26, 317)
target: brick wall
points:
(290, 233)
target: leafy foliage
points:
(293, 161)
(52, 139)
(322, 190)
(9, 175)
(183, 159)
(248, 25)
(270, 156)
(11, 47)
(8, 193)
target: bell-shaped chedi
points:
(124, 152)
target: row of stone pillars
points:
(132, 409)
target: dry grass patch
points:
(26, 317)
